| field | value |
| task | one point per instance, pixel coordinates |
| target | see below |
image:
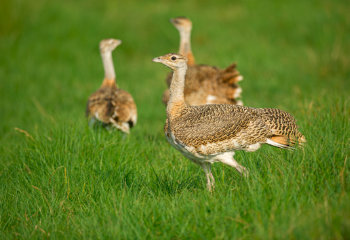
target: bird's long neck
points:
(108, 66)
(177, 100)
(185, 46)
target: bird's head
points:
(182, 23)
(108, 45)
(172, 60)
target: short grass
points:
(59, 179)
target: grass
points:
(59, 179)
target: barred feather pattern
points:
(211, 129)
(112, 103)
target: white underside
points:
(205, 160)
(194, 155)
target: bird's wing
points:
(205, 124)
(100, 104)
(125, 107)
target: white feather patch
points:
(240, 78)
(210, 99)
(270, 142)
(237, 92)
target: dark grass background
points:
(59, 179)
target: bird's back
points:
(111, 102)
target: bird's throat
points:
(177, 100)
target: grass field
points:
(59, 179)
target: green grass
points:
(59, 179)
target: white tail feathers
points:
(279, 145)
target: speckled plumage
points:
(205, 84)
(112, 106)
(229, 127)
(209, 133)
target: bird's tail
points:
(229, 79)
(289, 142)
(284, 130)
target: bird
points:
(204, 84)
(213, 132)
(110, 105)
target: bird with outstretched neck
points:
(212, 133)
(111, 105)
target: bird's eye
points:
(173, 58)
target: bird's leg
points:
(92, 122)
(212, 182)
(227, 158)
(210, 178)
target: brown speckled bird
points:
(211, 133)
(204, 84)
(109, 104)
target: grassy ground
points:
(59, 179)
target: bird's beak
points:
(173, 21)
(157, 59)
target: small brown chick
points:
(109, 104)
